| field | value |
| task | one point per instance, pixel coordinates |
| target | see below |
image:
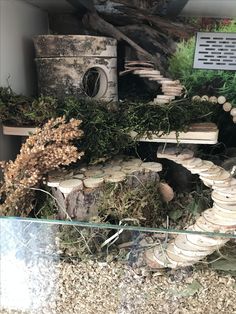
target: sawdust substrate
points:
(93, 287)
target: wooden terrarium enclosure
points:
(133, 122)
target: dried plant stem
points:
(50, 147)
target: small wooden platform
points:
(17, 131)
(199, 133)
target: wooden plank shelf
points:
(198, 133)
(17, 131)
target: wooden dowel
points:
(221, 100)
(227, 106)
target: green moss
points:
(141, 204)
(106, 126)
(200, 82)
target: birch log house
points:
(185, 250)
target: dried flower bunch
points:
(50, 147)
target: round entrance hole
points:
(95, 82)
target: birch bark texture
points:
(77, 65)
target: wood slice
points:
(231, 182)
(212, 172)
(169, 91)
(93, 183)
(171, 87)
(116, 177)
(147, 76)
(213, 99)
(185, 155)
(227, 106)
(204, 167)
(164, 97)
(172, 83)
(196, 98)
(161, 101)
(233, 112)
(225, 191)
(226, 215)
(152, 166)
(175, 94)
(56, 177)
(204, 241)
(168, 152)
(203, 225)
(157, 79)
(174, 255)
(218, 178)
(205, 98)
(79, 176)
(53, 183)
(197, 254)
(224, 207)
(68, 186)
(112, 169)
(218, 198)
(214, 217)
(166, 80)
(221, 100)
(181, 242)
(156, 259)
(131, 170)
(93, 173)
(131, 163)
(192, 163)
(151, 72)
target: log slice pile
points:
(78, 192)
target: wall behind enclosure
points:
(19, 22)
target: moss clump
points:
(106, 126)
(141, 204)
(20, 110)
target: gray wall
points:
(19, 22)
(210, 8)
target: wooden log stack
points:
(78, 191)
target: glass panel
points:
(72, 267)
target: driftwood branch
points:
(94, 21)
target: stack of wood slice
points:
(78, 191)
(188, 249)
(170, 88)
